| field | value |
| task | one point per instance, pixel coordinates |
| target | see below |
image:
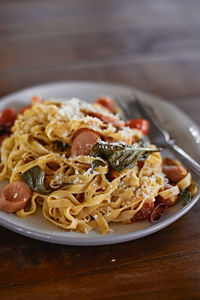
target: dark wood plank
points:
(27, 260)
(133, 280)
(62, 50)
(68, 34)
(75, 47)
(154, 49)
(171, 78)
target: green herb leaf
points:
(105, 149)
(185, 197)
(62, 146)
(34, 177)
(96, 163)
(121, 156)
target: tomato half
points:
(144, 212)
(7, 117)
(140, 124)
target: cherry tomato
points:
(140, 124)
(107, 102)
(7, 117)
(144, 212)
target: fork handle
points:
(186, 158)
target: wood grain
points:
(150, 44)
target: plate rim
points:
(100, 239)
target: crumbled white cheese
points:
(77, 172)
(126, 131)
(77, 180)
(90, 171)
(71, 109)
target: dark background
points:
(153, 45)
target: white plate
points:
(185, 131)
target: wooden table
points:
(150, 44)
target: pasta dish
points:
(85, 166)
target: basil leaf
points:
(34, 177)
(96, 163)
(185, 197)
(105, 149)
(121, 156)
(62, 146)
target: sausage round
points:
(169, 201)
(15, 196)
(173, 170)
(84, 140)
(107, 102)
(107, 119)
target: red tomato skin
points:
(144, 212)
(7, 117)
(140, 124)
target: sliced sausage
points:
(158, 212)
(108, 139)
(169, 201)
(15, 196)
(173, 170)
(127, 141)
(84, 140)
(107, 102)
(144, 212)
(107, 119)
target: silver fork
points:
(157, 133)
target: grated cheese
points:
(73, 109)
